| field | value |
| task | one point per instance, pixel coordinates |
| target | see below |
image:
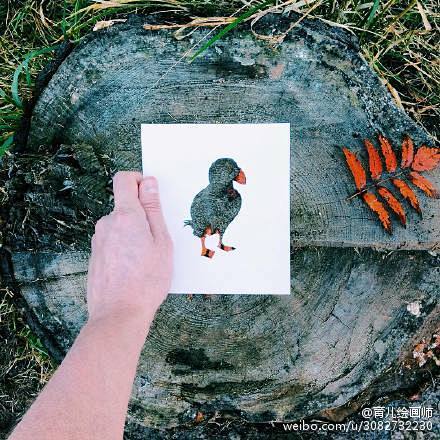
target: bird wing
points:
(201, 212)
(212, 210)
(224, 211)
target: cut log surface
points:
(342, 337)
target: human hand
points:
(131, 263)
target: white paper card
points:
(180, 156)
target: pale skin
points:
(129, 277)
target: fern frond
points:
(411, 164)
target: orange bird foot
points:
(207, 253)
(226, 248)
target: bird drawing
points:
(216, 206)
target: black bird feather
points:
(217, 205)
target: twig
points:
(358, 193)
(205, 22)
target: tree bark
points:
(344, 336)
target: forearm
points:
(89, 392)
(129, 277)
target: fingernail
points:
(150, 185)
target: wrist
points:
(135, 317)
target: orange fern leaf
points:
(424, 184)
(407, 193)
(374, 160)
(356, 168)
(426, 159)
(388, 154)
(393, 203)
(377, 207)
(407, 152)
(381, 199)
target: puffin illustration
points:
(215, 206)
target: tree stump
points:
(343, 337)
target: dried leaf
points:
(424, 184)
(420, 347)
(374, 160)
(407, 193)
(419, 353)
(426, 159)
(107, 23)
(356, 168)
(424, 16)
(407, 152)
(393, 203)
(199, 417)
(394, 94)
(388, 154)
(377, 207)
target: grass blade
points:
(229, 27)
(371, 15)
(24, 66)
(6, 144)
(8, 116)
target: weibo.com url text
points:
(359, 426)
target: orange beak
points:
(241, 178)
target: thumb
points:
(150, 201)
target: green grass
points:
(24, 364)
(398, 39)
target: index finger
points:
(126, 189)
